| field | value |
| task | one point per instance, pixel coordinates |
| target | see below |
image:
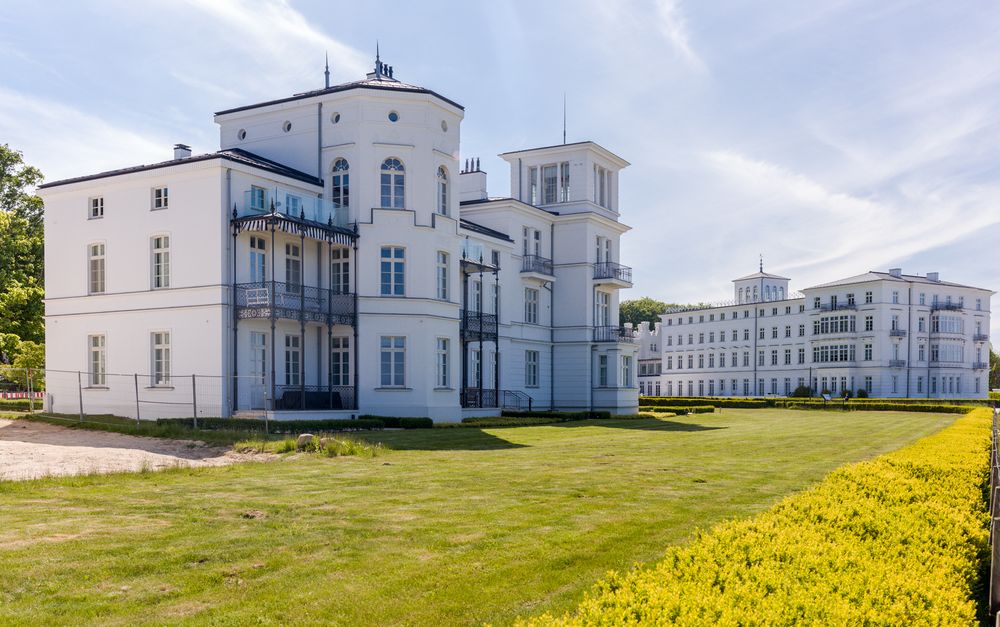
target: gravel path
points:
(29, 450)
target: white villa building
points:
(888, 333)
(335, 259)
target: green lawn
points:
(453, 526)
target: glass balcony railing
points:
(258, 201)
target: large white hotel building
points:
(335, 258)
(888, 333)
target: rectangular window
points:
(868, 300)
(293, 360)
(531, 305)
(442, 369)
(258, 198)
(340, 360)
(602, 371)
(258, 361)
(603, 314)
(293, 268)
(393, 266)
(895, 301)
(98, 361)
(869, 323)
(160, 199)
(96, 265)
(96, 205)
(564, 181)
(802, 355)
(626, 371)
(161, 261)
(258, 260)
(533, 185)
(340, 270)
(160, 358)
(550, 177)
(868, 352)
(442, 275)
(392, 360)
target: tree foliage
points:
(22, 259)
(994, 370)
(644, 309)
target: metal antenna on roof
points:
(326, 72)
(762, 262)
(564, 118)
(378, 61)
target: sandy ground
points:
(34, 449)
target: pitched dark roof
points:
(483, 230)
(482, 201)
(368, 83)
(235, 155)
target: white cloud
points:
(673, 26)
(63, 141)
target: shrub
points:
(487, 422)
(563, 415)
(898, 540)
(994, 396)
(276, 426)
(19, 404)
(717, 401)
(862, 393)
(401, 422)
(803, 391)
(680, 411)
(874, 406)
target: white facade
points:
(891, 334)
(333, 258)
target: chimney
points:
(933, 276)
(182, 151)
(472, 182)
(896, 272)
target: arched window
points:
(392, 181)
(781, 293)
(767, 292)
(755, 294)
(442, 180)
(340, 193)
(747, 299)
(739, 295)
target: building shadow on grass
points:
(641, 425)
(448, 439)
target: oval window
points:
(287, 126)
(393, 116)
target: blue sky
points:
(831, 137)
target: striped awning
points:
(297, 226)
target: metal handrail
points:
(838, 307)
(614, 334)
(294, 301)
(612, 270)
(897, 333)
(536, 263)
(897, 363)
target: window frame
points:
(97, 361)
(396, 351)
(95, 203)
(392, 183)
(97, 262)
(396, 273)
(159, 262)
(160, 364)
(159, 198)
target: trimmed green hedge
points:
(689, 409)
(276, 426)
(716, 401)
(401, 422)
(868, 405)
(564, 415)
(898, 540)
(19, 404)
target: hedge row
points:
(19, 404)
(564, 415)
(508, 419)
(365, 423)
(875, 406)
(898, 540)
(689, 409)
(717, 401)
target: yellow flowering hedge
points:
(898, 540)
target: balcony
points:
(897, 332)
(946, 307)
(980, 337)
(313, 397)
(980, 365)
(478, 326)
(610, 273)
(620, 335)
(259, 201)
(475, 398)
(478, 258)
(838, 307)
(536, 266)
(897, 363)
(291, 301)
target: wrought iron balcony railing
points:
(980, 365)
(293, 301)
(897, 332)
(838, 307)
(614, 334)
(611, 270)
(474, 397)
(478, 325)
(946, 307)
(314, 397)
(536, 263)
(897, 363)
(980, 337)
(260, 200)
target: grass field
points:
(454, 526)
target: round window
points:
(444, 126)
(393, 116)
(242, 134)
(287, 126)
(335, 118)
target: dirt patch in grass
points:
(29, 450)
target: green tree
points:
(22, 257)
(31, 355)
(642, 309)
(994, 369)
